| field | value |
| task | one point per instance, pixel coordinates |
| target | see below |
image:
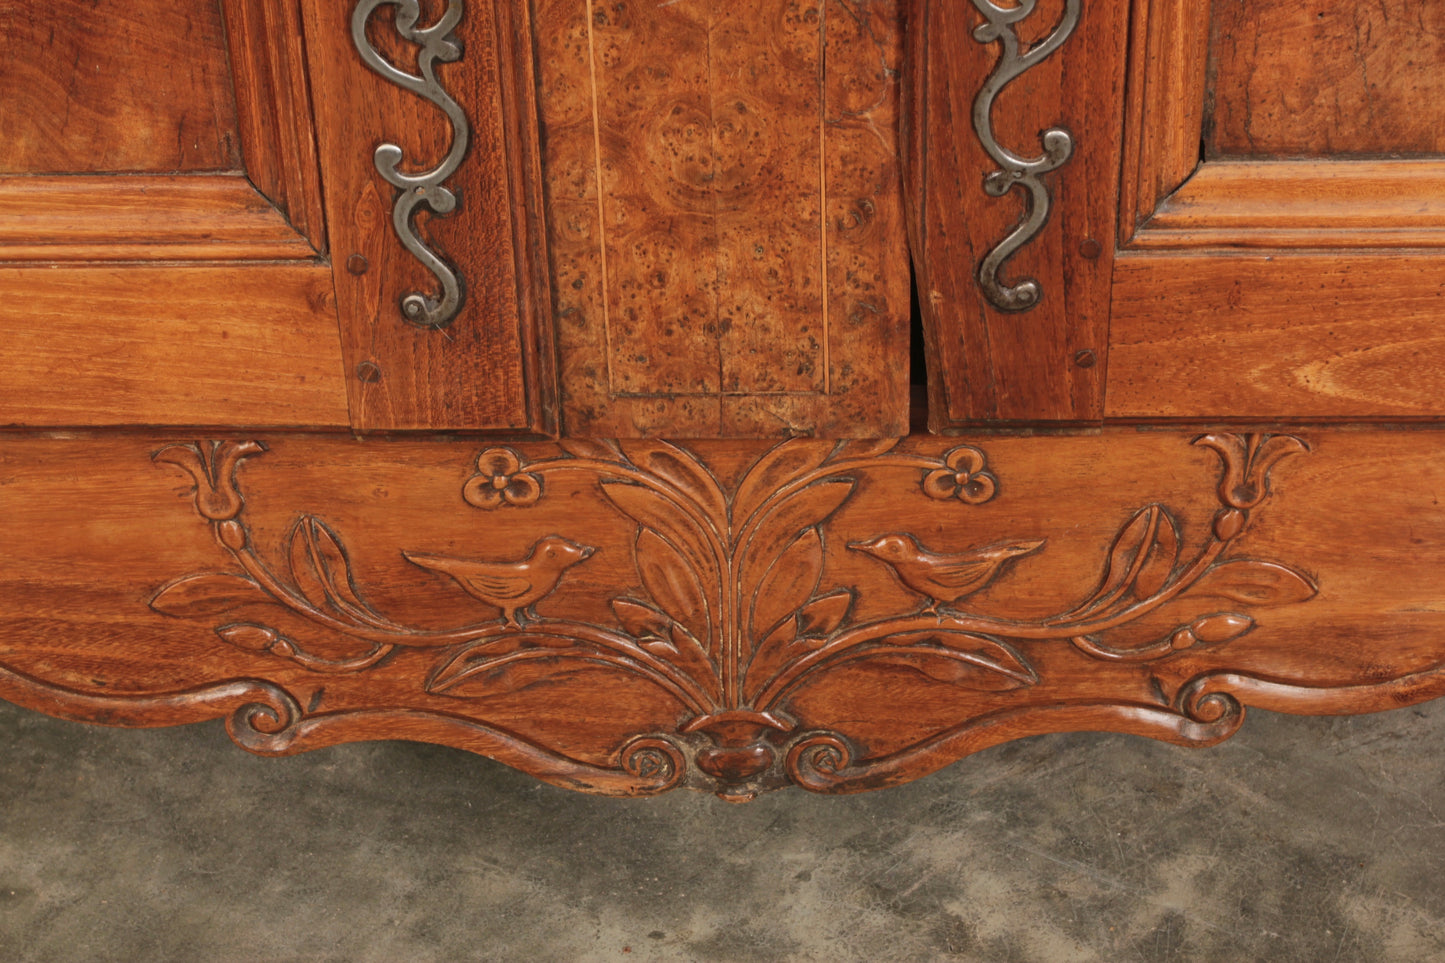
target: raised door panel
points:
(1282, 231)
(159, 255)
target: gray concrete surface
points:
(1302, 839)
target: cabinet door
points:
(1271, 183)
(162, 253)
(168, 254)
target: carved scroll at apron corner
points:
(437, 42)
(1016, 171)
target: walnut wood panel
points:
(139, 217)
(178, 344)
(487, 369)
(1325, 79)
(734, 617)
(1330, 335)
(1168, 59)
(273, 107)
(1046, 363)
(115, 85)
(1303, 204)
(727, 244)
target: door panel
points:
(154, 275)
(1305, 288)
(1329, 78)
(485, 364)
(1033, 361)
(68, 72)
(727, 240)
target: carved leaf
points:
(503, 665)
(692, 658)
(865, 448)
(959, 658)
(1149, 543)
(654, 511)
(1159, 563)
(785, 522)
(784, 463)
(206, 595)
(1252, 582)
(805, 631)
(682, 470)
(825, 614)
(789, 582)
(641, 621)
(598, 450)
(320, 567)
(671, 582)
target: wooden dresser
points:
(342, 337)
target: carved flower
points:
(1247, 463)
(964, 477)
(500, 481)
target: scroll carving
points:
(438, 43)
(736, 614)
(1016, 171)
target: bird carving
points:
(513, 587)
(944, 578)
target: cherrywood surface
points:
(1282, 336)
(726, 235)
(68, 80)
(170, 343)
(1329, 78)
(726, 616)
(1168, 60)
(490, 368)
(273, 107)
(1303, 204)
(142, 217)
(1047, 363)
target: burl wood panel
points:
(1326, 78)
(627, 617)
(1292, 335)
(115, 85)
(489, 368)
(726, 237)
(1047, 363)
(169, 344)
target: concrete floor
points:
(1303, 839)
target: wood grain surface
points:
(488, 369)
(170, 344)
(727, 616)
(1048, 363)
(115, 85)
(267, 44)
(1286, 336)
(726, 238)
(1331, 78)
(142, 217)
(1303, 204)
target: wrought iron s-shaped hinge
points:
(1016, 171)
(437, 42)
